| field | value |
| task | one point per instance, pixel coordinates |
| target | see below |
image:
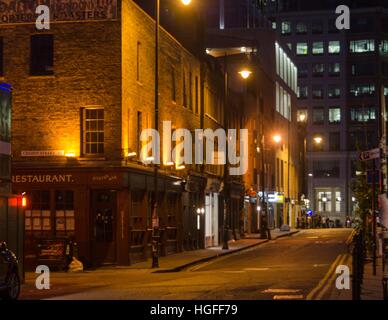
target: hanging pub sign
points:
(24, 11)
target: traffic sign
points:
(370, 154)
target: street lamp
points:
(318, 140)
(277, 138)
(155, 215)
(245, 74)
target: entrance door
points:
(104, 220)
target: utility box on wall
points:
(11, 206)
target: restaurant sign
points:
(24, 11)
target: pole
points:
(225, 245)
(263, 225)
(374, 216)
(155, 217)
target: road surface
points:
(290, 268)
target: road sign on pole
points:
(370, 154)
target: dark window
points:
(363, 69)
(93, 131)
(332, 28)
(363, 140)
(317, 26)
(318, 116)
(173, 84)
(196, 95)
(334, 141)
(42, 55)
(139, 129)
(326, 169)
(303, 70)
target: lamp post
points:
(245, 74)
(155, 214)
(264, 229)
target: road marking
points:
(289, 297)
(318, 265)
(232, 271)
(331, 280)
(281, 291)
(315, 237)
(323, 281)
(256, 269)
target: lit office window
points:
(286, 27)
(338, 200)
(318, 48)
(317, 92)
(334, 91)
(362, 90)
(334, 47)
(362, 114)
(303, 92)
(334, 69)
(384, 47)
(301, 28)
(360, 46)
(318, 69)
(302, 48)
(334, 115)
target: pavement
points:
(294, 267)
(372, 288)
(180, 261)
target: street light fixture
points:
(318, 139)
(245, 74)
(155, 215)
(277, 138)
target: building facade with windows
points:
(341, 80)
(83, 93)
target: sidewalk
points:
(179, 261)
(372, 288)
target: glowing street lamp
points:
(277, 138)
(186, 2)
(318, 140)
(245, 74)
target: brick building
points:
(83, 92)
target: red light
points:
(24, 202)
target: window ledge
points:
(91, 158)
(51, 76)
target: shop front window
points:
(64, 212)
(38, 213)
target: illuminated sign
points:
(22, 11)
(43, 153)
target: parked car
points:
(9, 274)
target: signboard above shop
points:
(22, 11)
(370, 154)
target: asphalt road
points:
(297, 267)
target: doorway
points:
(103, 217)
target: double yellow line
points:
(324, 285)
